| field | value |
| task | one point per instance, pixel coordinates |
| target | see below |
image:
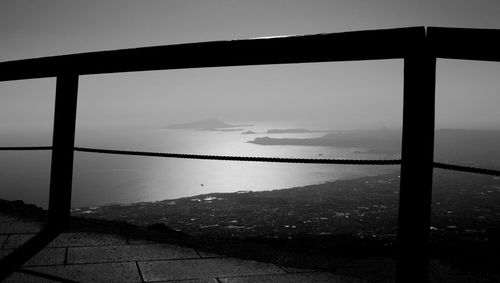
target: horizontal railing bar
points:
(464, 43)
(467, 169)
(244, 158)
(346, 46)
(26, 148)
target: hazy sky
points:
(336, 95)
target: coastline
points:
(464, 240)
(336, 207)
(362, 207)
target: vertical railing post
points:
(417, 164)
(61, 175)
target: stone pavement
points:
(104, 257)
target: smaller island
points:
(291, 131)
(222, 130)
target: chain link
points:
(466, 169)
(246, 158)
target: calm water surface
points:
(102, 179)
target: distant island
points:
(249, 133)
(466, 146)
(207, 124)
(377, 141)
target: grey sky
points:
(350, 95)
(33, 28)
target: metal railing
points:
(418, 46)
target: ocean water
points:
(100, 179)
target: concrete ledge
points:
(79, 239)
(11, 225)
(204, 268)
(296, 270)
(209, 255)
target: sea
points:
(101, 179)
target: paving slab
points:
(98, 257)
(102, 272)
(4, 253)
(18, 277)
(3, 238)
(47, 256)
(204, 280)
(313, 277)
(204, 268)
(135, 241)
(128, 253)
(16, 240)
(79, 239)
